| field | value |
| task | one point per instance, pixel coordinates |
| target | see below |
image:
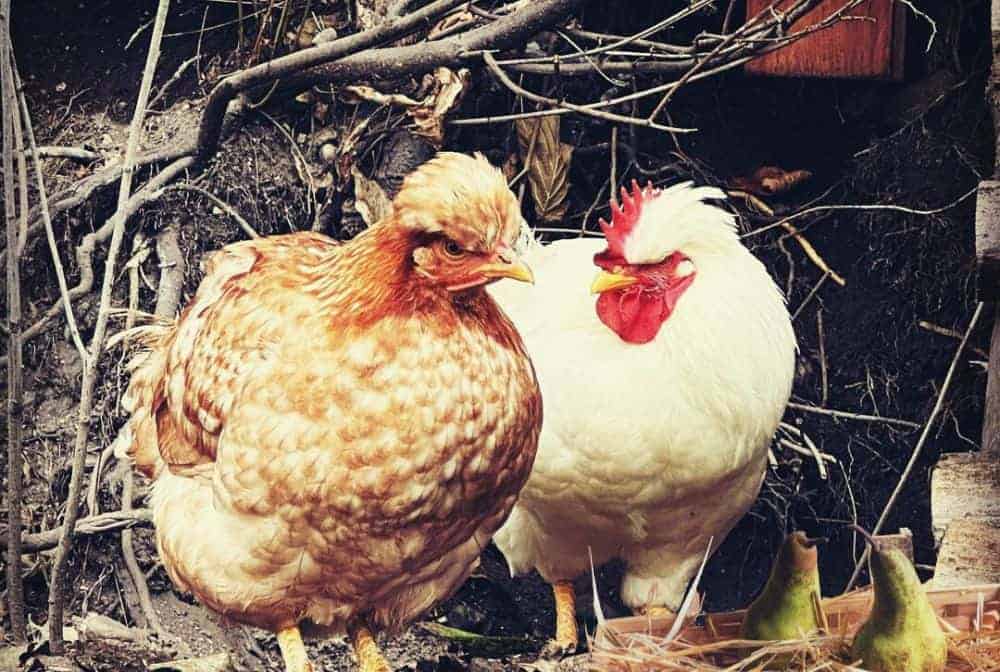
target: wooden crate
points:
(845, 614)
(868, 48)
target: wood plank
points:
(963, 485)
(991, 417)
(970, 553)
(869, 48)
(993, 84)
(988, 240)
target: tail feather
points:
(138, 439)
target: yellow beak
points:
(605, 282)
(515, 270)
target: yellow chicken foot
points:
(659, 611)
(369, 657)
(656, 612)
(293, 651)
(566, 633)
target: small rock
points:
(328, 153)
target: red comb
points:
(625, 216)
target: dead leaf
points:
(548, 165)
(509, 167)
(449, 22)
(346, 150)
(771, 180)
(369, 199)
(304, 37)
(428, 114)
(320, 111)
(370, 13)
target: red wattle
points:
(636, 314)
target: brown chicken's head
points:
(464, 220)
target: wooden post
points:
(991, 417)
(988, 271)
(965, 488)
(988, 249)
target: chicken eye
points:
(453, 249)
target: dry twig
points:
(97, 342)
(950, 333)
(878, 206)
(85, 250)
(219, 203)
(43, 204)
(105, 522)
(813, 254)
(847, 415)
(128, 553)
(168, 291)
(265, 73)
(73, 153)
(599, 114)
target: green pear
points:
(786, 608)
(902, 633)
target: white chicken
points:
(661, 400)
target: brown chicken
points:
(336, 430)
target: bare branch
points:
(79, 193)
(876, 206)
(131, 564)
(168, 293)
(43, 203)
(212, 117)
(85, 251)
(599, 114)
(849, 415)
(15, 587)
(74, 153)
(97, 343)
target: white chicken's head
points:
(464, 221)
(656, 242)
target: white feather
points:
(648, 451)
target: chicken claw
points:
(566, 633)
(655, 612)
(369, 657)
(293, 651)
(661, 611)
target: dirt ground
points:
(920, 144)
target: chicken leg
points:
(366, 650)
(566, 633)
(293, 651)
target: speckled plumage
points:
(332, 434)
(649, 450)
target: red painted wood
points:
(866, 48)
